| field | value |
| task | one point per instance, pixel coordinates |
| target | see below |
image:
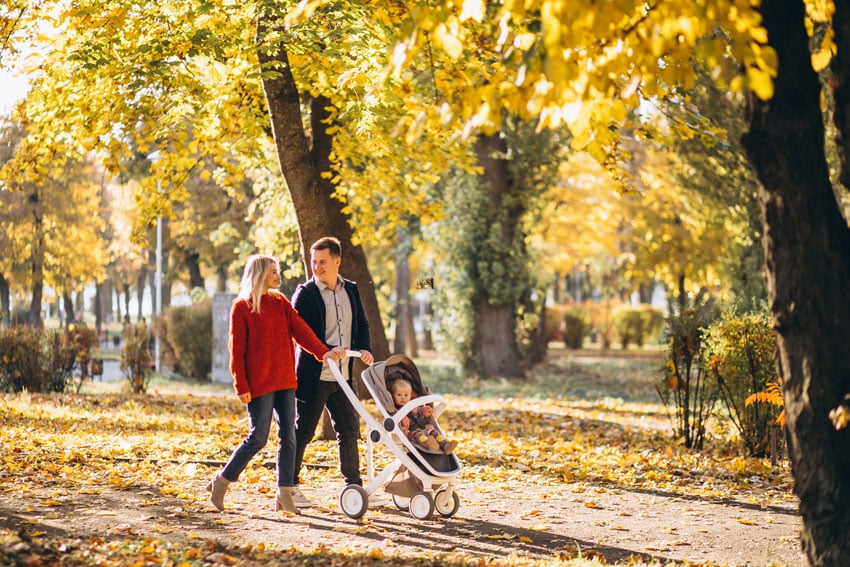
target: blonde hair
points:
(252, 287)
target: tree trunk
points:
(405, 337)
(807, 251)
(141, 284)
(494, 344)
(126, 288)
(98, 306)
(68, 304)
(37, 267)
(5, 302)
(319, 213)
(192, 263)
(221, 279)
(427, 342)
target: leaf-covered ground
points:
(574, 466)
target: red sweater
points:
(262, 358)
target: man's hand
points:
(366, 357)
(245, 398)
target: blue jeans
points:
(345, 421)
(281, 406)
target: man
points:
(331, 306)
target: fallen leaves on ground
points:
(168, 443)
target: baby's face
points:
(401, 393)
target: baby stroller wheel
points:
(446, 502)
(354, 500)
(421, 505)
(401, 502)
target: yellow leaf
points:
(526, 539)
(760, 83)
(746, 522)
(820, 59)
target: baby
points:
(419, 425)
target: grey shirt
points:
(338, 322)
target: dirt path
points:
(516, 516)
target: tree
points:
(807, 244)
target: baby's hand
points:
(427, 411)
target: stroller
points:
(420, 481)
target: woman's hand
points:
(245, 398)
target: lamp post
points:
(153, 157)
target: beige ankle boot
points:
(217, 487)
(284, 500)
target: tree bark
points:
(192, 262)
(68, 305)
(5, 302)
(494, 344)
(405, 337)
(319, 213)
(141, 284)
(807, 251)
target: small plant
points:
(136, 358)
(86, 341)
(687, 384)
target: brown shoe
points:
(284, 502)
(217, 487)
(449, 447)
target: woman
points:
(263, 325)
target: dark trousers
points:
(280, 406)
(346, 424)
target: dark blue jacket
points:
(307, 300)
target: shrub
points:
(554, 322)
(741, 353)
(602, 322)
(687, 384)
(189, 333)
(86, 342)
(576, 325)
(638, 325)
(136, 358)
(35, 360)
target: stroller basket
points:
(430, 477)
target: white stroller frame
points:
(437, 491)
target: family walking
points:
(325, 319)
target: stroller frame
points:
(432, 488)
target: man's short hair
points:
(328, 243)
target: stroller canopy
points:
(380, 376)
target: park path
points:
(499, 518)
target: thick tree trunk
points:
(318, 212)
(807, 250)
(192, 262)
(494, 343)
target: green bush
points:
(576, 326)
(638, 325)
(188, 331)
(136, 358)
(36, 360)
(554, 319)
(741, 354)
(86, 342)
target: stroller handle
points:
(353, 353)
